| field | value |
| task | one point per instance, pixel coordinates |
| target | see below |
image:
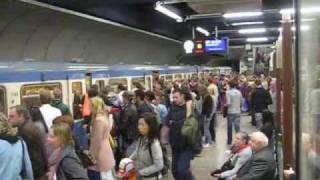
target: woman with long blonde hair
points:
(100, 146)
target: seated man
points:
(263, 165)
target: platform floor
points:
(212, 157)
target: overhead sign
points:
(213, 46)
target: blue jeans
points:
(206, 127)
(233, 119)
(181, 164)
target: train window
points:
(169, 78)
(113, 83)
(30, 93)
(77, 87)
(178, 77)
(3, 97)
(137, 82)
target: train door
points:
(3, 100)
(75, 97)
(88, 80)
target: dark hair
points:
(93, 91)
(267, 117)
(178, 90)
(141, 94)
(21, 110)
(150, 95)
(244, 136)
(153, 124)
(233, 83)
(122, 87)
(257, 82)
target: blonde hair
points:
(63, 132)
(5, 127)
(97, 107)
(210, 89)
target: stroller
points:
(126, 170)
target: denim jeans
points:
(258, 118)
(233, 120)
(206, 127)
(181, 160)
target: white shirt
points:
(49, 113)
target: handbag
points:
(86, 158)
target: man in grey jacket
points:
(263, 165)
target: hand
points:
(217, 175)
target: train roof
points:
(44, 71)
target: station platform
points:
(211, 158)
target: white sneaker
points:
(207, 145)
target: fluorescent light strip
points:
(257, 39)
(247, 23)
(242, 14)
(305, 10)
(252, 31)
(302, 28)
(203, 31)
(3, 67)
(167, 12)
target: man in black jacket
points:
(262, 166)
(260, 99)
(182, 153)
(20, 117)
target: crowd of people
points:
(38, 142)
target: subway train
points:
(20, 82)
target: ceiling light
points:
(252, 31)
(250, 59)
(302, 28)
(305, 10)
(246, 23)
(242, 14)
(308, 19)
(257, 39)
(287, 11)
(168, 12)
(203, 31)
(3, 67)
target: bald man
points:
(262, 166)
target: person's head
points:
(257, 82)
(93, 91)
(18, 115)
(215, 79)
(60, 135)
(241, 138)
(149, 126)
(127, 97)
(45, 96)
(150, 96)
(267, 117)
(122, 87)
(140, 95)
(6, 130)
(233, 83)
(211, 90)
(203, 91)
(67, 119)
(194, 82)
(258, 141)
(158, 99)
(157, 86)
(178, 97)
(57, 94)
(97, 106)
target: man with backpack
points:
(182, 152)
